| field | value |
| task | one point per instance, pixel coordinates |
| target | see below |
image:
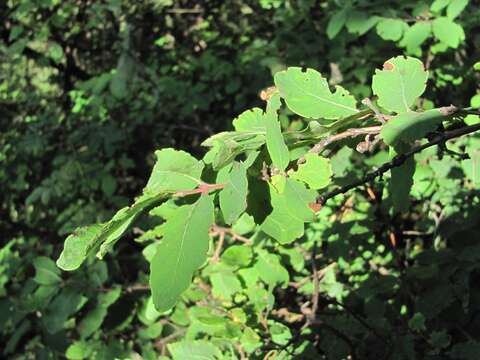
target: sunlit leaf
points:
(401, 81)
(308, 94)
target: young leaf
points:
(448, 32)
(174, 170)
(276, 147)
(308, 94)
(290, 211)
(181, 252)
(315, 172)
(411, 126)
(400, 83)
(233, 198)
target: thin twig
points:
(216, 230)
(216, 256)
(399, 160)
(203, 188)
(317, 148)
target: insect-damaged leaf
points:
(181, 252)
(315, 172)
(307, 94)
(233, 198)
(290, 211)
(400, 83)
(87, 239)
(250, 120)
(276, 146)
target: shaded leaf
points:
(290, 211)
(233, 198)
(411, 126)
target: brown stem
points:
(399, 160)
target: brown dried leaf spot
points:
(388, 66)
(267, 93)
(316, 207)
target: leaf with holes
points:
(307, 94)
(400, 83)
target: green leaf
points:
(94, 318)
(290, 211)
(65, 304)
(174, 170)
(359, 22)
(225, 284)
(391, 29)
(336, 23)
(79, 350)
(277, 149)
(233, 198)
(181, 252)
(316, 172)
(417, 322)
(448, 32)
(250, 120)
(46, 273)
(77, 245)
(399, 84)
(308, 94)
(194, 350)
(401, 182)
(270, 269)
(86, 240)
(438, 5)
(411, 126)
(415, 36)
(237, 255)
(455, 8)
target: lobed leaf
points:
(307, 94)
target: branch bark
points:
(399, 160)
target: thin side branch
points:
(317, 148)
(399, 160)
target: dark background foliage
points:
(88, 91)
